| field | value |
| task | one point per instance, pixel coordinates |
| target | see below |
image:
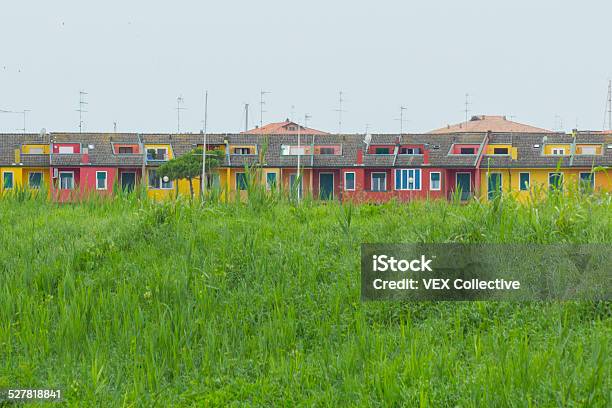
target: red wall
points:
(363, 186)
(76, 146)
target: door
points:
(494, 185)
(294, 187)
(326, 186)
(464, 185)
(128, 181)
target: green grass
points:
(133, 303)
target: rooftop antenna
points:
(339, 110)
(467, 107)
(558, 123)
(401, 120)
(179, 108)
(246, 117)
(203, 178)
(292, 113)
(115, 127)
(262, 93)
(367, 128)
(306, 118)
(81, 109)
(609, 107)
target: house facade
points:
(361, 168)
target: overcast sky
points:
(541, 62)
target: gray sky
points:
(530, 59)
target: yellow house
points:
(533, 165)
(28, 170)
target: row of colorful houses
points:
(374, 168)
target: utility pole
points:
(339, 110)
(203, 181)
(179, 108)
(298, 164)
(81, 109)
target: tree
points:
(189, 166)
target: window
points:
(379, 181)
(467, 150)
(587, 182)
(295, 186)
(349, 181)
(66, 180)
(326, 150)
(157, 154)
(555, 181)
(156, 182)
(524, 181)
(35, 179)
(126, 150)
(407, 179)
(434, 181)
(500, 150)
(213, 180)
(494, 185)
(8, 180)
(242, 150)
(381, 150)
(36, 150)
(558, 151)
(241, 181)
(66, 149)
(409, 150)
(590, 150)
(270, 181)
(101, 182)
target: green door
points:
(464, 185)
(326, 186)
(494, 185)
(128, 180)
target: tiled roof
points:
(11, 142)
(102, 152)
(286, 127)
(486, 123)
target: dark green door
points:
(128, 180)
(464, 185)
(326, 186)
(494, 185)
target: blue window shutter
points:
(397, 179)
(417, 179)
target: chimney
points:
(425, 156)
(85, 156)
(359, 156)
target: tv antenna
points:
(466, 109)
(179, 107)
(262, 93)
(558, 123)
(339, 110)
(246, 116)
(81, 109)
(401, 120)
(608, 110)
(306, 118)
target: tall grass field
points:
(128, 302)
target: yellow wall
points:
(539, 180)
(21, 176)
(597, 147)
(512, 151)
(161, 146)
(26, 148)
(549, 148)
